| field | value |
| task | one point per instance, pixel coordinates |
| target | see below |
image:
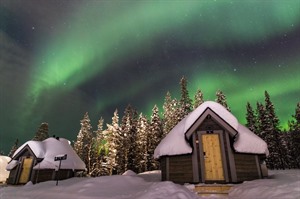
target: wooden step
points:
(209, 189)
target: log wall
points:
(246, 167)
(181, 169)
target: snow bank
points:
(3, 172)
(175, 142)
(282, 184)
(106, 187)
(129, 173)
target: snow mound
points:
(151, 176)
(105, 187)
(281, 184)
(129, 173)
(3, 172)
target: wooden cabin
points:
(210, 146)
(35, 161)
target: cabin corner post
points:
(199, 134)
(231, 161)
(223, 153)
(195, 162)
(167, 168)
(258, 166)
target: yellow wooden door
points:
(25, 172)
(212, 157)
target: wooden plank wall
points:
(246, 167)
(50, 174)
(42, 175)
(12, 176)
(163, 168)
(181, 169)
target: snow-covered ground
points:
(281, 184)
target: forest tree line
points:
(130, 143)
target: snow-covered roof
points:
(248, 142)
(50, 148)
(175, 142)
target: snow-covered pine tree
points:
(111, 146)
(83, 144)
(198, 99)
(251, 119)
(276, 144)
(155, 136)
(14, 148)
(294, 139)
(126, 157)
(263, 126)
(286, 137)
(295, 122)
(176, 117)
(271, 111)
(42, 132)
(264, 131)
(97, 155)
(221, 99)
(170, 107)
(185, 100)
(142, 144)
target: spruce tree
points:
(83, 144)
(276, 144)
(170, 119)
(142, 144)
(155, 136)
(185, 101)
(97, 155)
(264, 131)
(42, 132)
(14, 148)
(198, 99)
(251, 119)
(263, 122)
(126, 157)
(221, 99)
(271, 111)
(295, 122)
(294, 139)
(112, 144)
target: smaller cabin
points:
(35, 161)
(210, 146)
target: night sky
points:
(60, 59)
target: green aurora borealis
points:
(60, 59)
